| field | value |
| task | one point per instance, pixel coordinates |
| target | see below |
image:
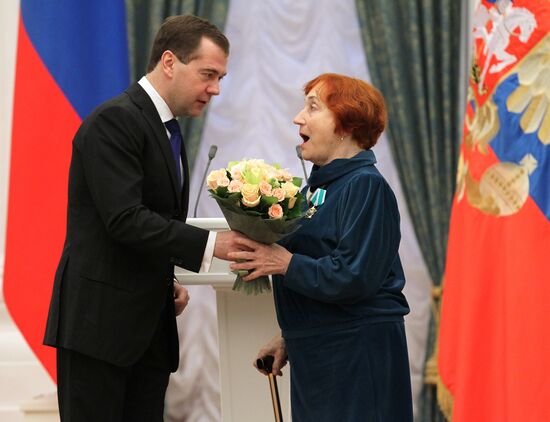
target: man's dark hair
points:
(182, 35)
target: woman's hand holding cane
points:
(277, 350)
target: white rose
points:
(290, 189)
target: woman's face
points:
(317, 126)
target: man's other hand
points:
(181, 298)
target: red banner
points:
(493, 348)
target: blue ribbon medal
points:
(317, 199)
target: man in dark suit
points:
(114, 301)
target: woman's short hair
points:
(182, 36)
(358, 107)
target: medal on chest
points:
(316, 199)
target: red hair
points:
(358, 108)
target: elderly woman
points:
(338, 279)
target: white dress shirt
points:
(165, 115)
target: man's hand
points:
(259, 259)
(227, 242)
(276, 348)
(181, 298)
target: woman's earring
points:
(341, 139)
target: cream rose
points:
(237, 172)
(291, 202)
(223, 181)
(250, 202)
(284, 174)
(235, 186)
(257, 164)
(290, 189)
(251, 195)
(265, 188)
(213, 177)
(275, 211)
(278, 193)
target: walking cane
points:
(266, 364)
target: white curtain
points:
(276, 47)
(9, 19)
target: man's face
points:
(194, 83)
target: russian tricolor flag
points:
(71, 56)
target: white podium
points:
(245, 324)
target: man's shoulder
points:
(121, 102)
(118, 112)
(128, 111)
(120, 108)
(127, 102)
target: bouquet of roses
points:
(260, 200)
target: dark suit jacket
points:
(125, 231)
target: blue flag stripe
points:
(84, 46)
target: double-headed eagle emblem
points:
(503, 187)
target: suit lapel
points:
(142, 100)
(185, 191)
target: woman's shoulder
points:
(367, 182)
(367, 176)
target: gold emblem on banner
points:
(502, 189)
(461, 177)
(532, 96)
(482, 127)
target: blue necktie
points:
(175, 142)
